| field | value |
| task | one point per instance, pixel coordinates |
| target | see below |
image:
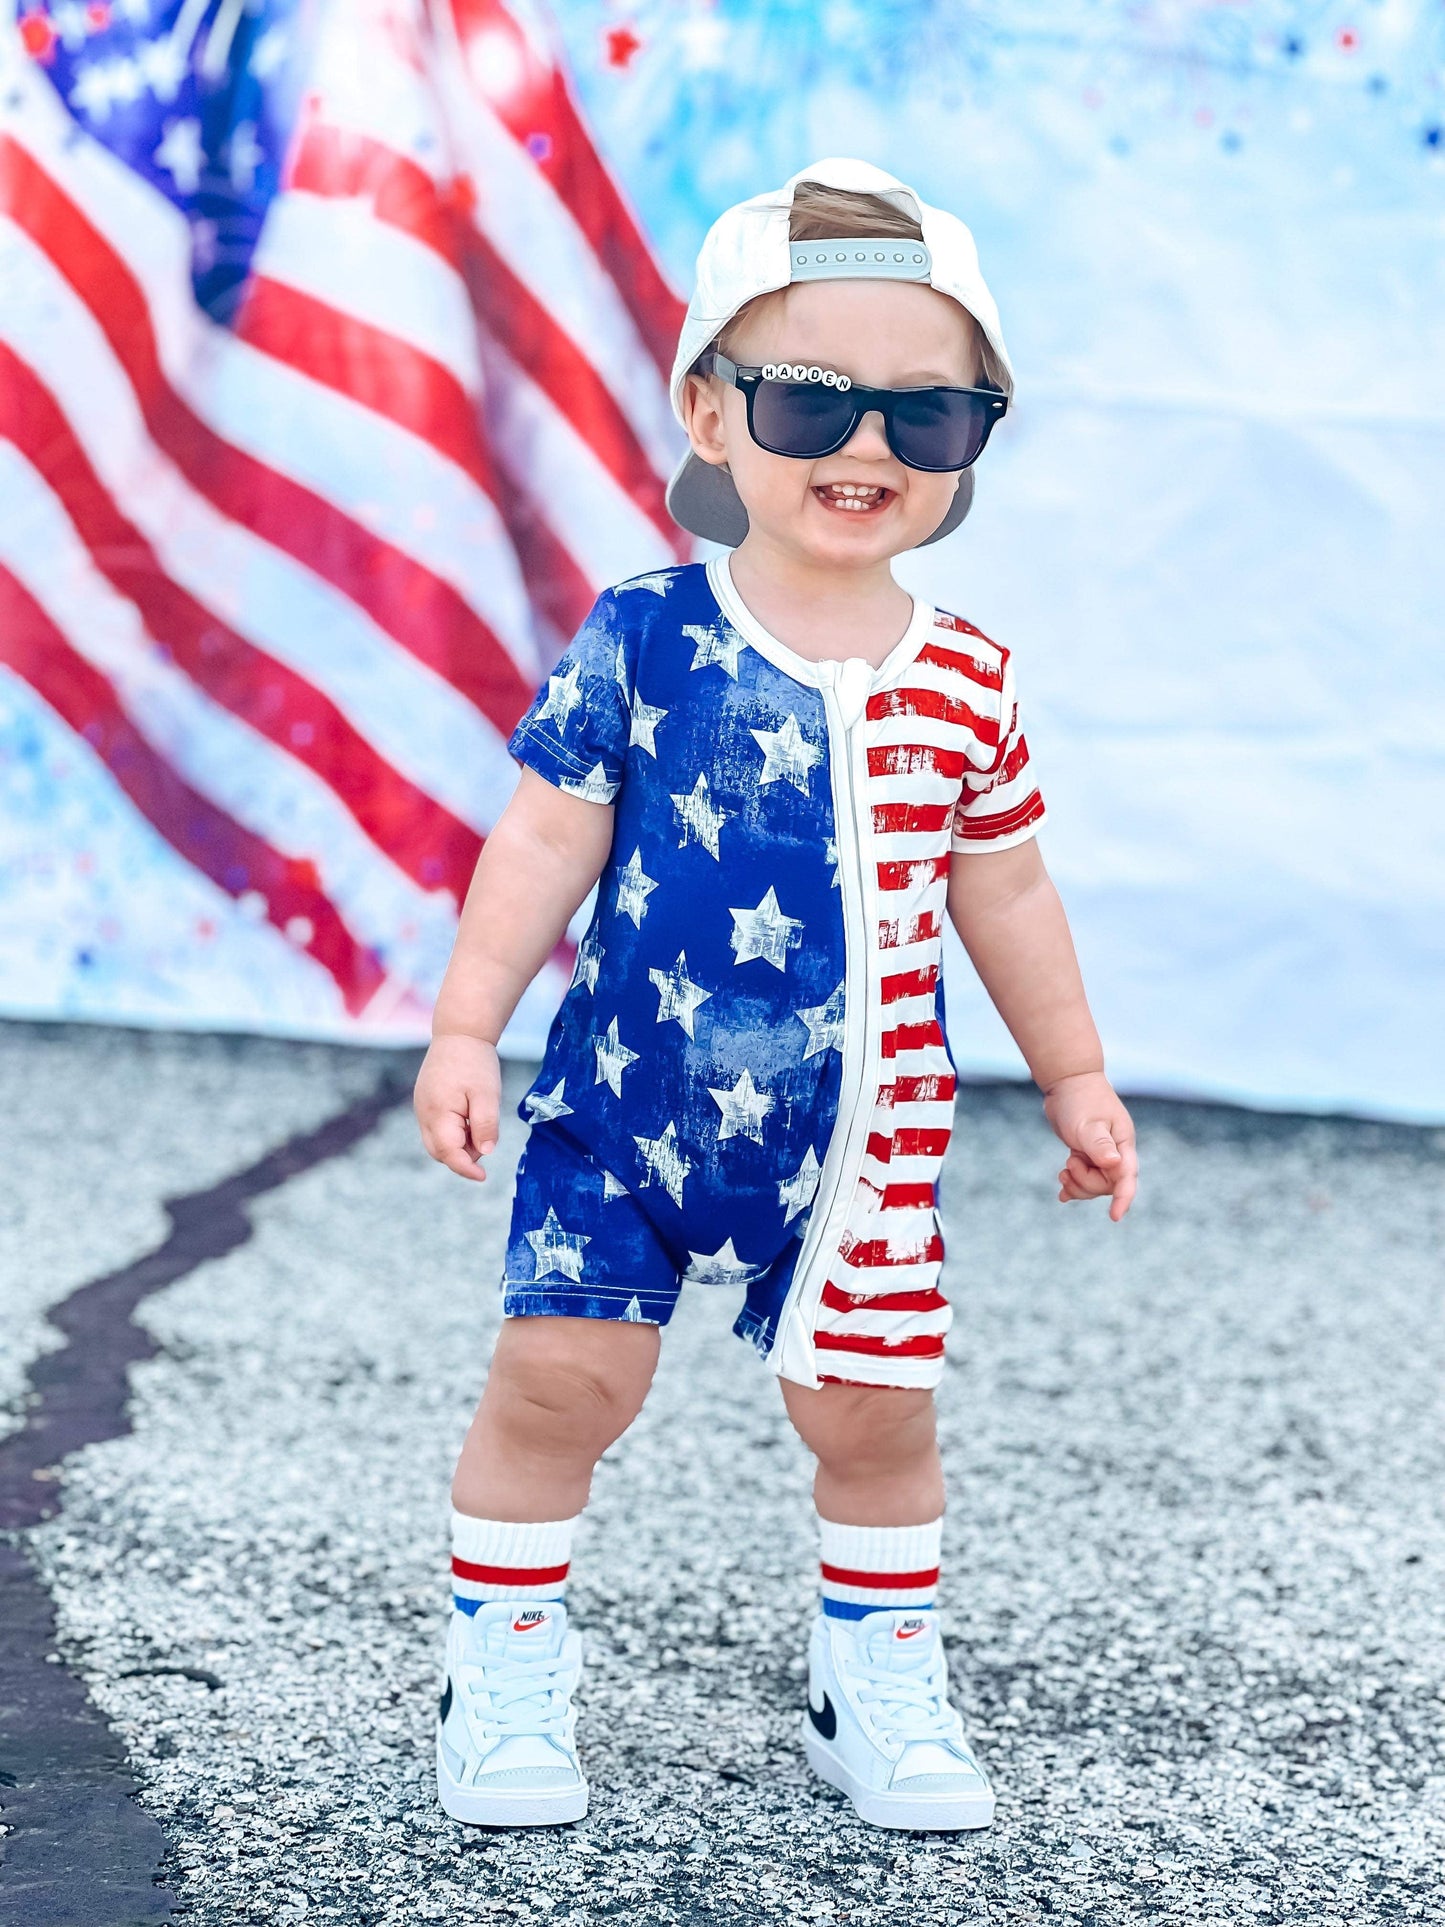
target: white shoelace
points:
(910, 1705)
(528, 1696)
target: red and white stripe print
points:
(498, 1559)
(293, 582)
(865, 1569)
(946, 772)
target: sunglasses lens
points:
(800, 417)
(941, 428)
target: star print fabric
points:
(696, 1056)
(748, 1083)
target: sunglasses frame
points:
(748, 378)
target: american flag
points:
(333, 387)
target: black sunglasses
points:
(805, 412)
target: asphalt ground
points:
(1194, 1558)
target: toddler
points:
(782, 772)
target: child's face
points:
(884, 334)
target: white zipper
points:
(793, 1354)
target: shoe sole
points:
(492, 1809)
(915, 1813)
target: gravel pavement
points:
(1194, 1589)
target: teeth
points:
(852, 495)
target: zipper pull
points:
(855, 674)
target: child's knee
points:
(862, 1425)
(569, 1383)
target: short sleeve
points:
(575, 732)
(1000, 806)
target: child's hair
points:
(823, 213)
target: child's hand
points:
(1088, 1116)
(457, 1098)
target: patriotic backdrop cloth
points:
(333, 346)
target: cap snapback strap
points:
(882, 257)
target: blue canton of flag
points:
(199, 97)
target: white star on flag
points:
(660, 581)
(719, 643)
(830, 855)
(541, 1108)
(677, 995)
(700, 817)
(563, 696)
(589, 959)
(556, 1249)
(665, 1163)
(612, 1187)
(162, 66)
(633, 1313)
(825, 1025)
(181, 155)
(743, 1108)
(268, 53)
(721, 1267)
(595, 787)
(796, 1193)
(787, 753)
(765, 932)
(244, 154)
(613, 1058)
(645, 718)
(634, 887)
(619, 670)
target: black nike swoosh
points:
(825, 1722)
(446, 1703)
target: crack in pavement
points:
(78, 1849)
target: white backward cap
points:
(747, 252)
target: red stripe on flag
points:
(416, 832)
(425, 615)
(837, 1299)
(334, 162)
(370, 367)
(509, 1575)
(551, 359)
(537, 109)
(235, 859)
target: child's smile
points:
(853, 498)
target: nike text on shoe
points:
(880, 1728)
(506, 1745)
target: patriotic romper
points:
(748, 1083)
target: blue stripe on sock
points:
(469, 1606)
(850, 1609)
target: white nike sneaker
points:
(880, 1728)
(506, 1745)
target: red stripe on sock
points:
(509, 1575)
(884, 1581)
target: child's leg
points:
(879, 1723)
(877, 1452)
(560, 1391)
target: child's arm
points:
(1007, 912)
(544, 855)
